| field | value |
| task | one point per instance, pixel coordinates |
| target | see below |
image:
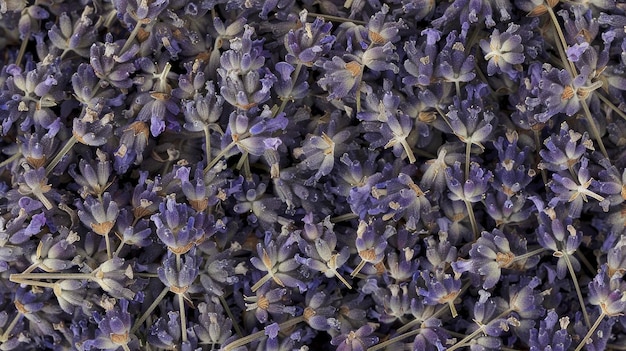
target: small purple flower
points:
(113, 329)
(179, 273)
(575, 192)
(504, 51)
(562, 93)
(268, 302)
(133, 141)
(308, 43)
(563, 150)
(100, 214)
(213, 327)
(77, 36)
(453, 64)
(609, 293)
(547, 336)
(276, 258)
(493, 252)
(441, 289)
(34, 182)
(320, 151)
(131, 232)
(356, 340)
(111, 65)
(557, 234)
(370, 244)
(178, 226)
(165, 332)
(93, 178)
(471, 190)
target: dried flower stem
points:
(231, 316)
(394, 340)
(7, 332)
(472, 218)
(294, 78)
(481, 329)
(612, 106)
(593, 328)
(569, 66)
(35, 283)
(64, 150)
(119, 248)
(344, 217)
(207, 143)
(437, 313)
(544, 174)
(468, 154)
(107, 240)
(577, 286)
(13, 157)
(77, 276)
(131, 37)
(148, 312)
(250, 338)
(525, 256)
(181, 305)
(219, 156)
(335, 18)
(22, 51)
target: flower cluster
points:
(312, 175)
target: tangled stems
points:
(252, 337)
(569, 66)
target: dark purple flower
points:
(245, 82)
(441, 289)
(113, 329)
(504, 51)
(557, 234)
(165, 332)
(99, 214)
(133, 142)
(111, 65)
(453, 65)
(402, 198)
(547, 336)
(269, 302)
(94, 179)
(276, 259)
(512, 173)
(319, 151)
(370, 244)
(356, 340)
(320, 252)
(259, 206)
(575, 192)
(341, 78)
(131, 232)
(565, 149)
(308, 43)
(213, 327)
(561, 93)
(179, 273)
(421, 59)
(493, 252)
(470, 190)
(34, 182)
(178, 226)
(77, 36)
(608, 292)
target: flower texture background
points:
(314, 175)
